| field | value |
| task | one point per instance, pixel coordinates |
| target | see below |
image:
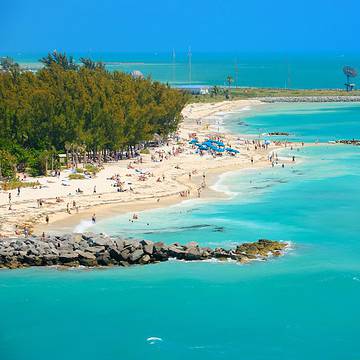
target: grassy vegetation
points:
(248, 93)
(76, 177)
(14, 184)
(92, 169)
(145, 151)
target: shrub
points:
(145, 151)
(14, 184)
(92, 169)
(76, 177)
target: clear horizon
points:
(207, 26)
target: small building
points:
(195, 89)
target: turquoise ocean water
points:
(261, 70)
(304, 305)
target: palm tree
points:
(229, 81)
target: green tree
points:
(92, 65)
(61, 59)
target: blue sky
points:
(160, 25)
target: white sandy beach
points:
(147, 185)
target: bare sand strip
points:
(149, 184)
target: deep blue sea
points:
(304, 305)
(298, 71)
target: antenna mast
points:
(288, 76)
(173, 66)
(236, 72)
(190, 56)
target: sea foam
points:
(83, 225)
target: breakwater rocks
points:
(354, 142)
(300, 99)
(90, 249)
(278, 133)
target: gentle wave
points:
(84, 225)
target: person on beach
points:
(189, 176)
(47, 219)
(9, 198)
(93, 219)
(95, 189)
(18, 191)
(293, 158)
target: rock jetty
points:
(278, 133)
(354, 142)
(300, 99)
(93, 250)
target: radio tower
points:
(173, 66)
(289, 76)
(190, 55)
(236, 72)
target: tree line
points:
(83, 109)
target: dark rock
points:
(68, 258)
(103, 259)
(115, 254)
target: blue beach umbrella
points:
(193, 141)
(232, 150)
(217, 149)
(219, 143)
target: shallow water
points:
(303, 305)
